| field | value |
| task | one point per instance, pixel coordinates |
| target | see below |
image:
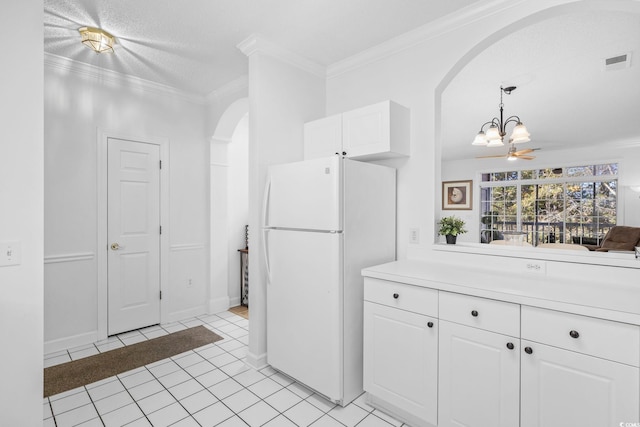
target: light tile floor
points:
(208, 386)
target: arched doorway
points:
(228, 204)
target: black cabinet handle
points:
(528, 350)
(574, 334)
(510, 346)
(396, 296)
(474, 313)
(430, 324)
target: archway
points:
(459, 67)
(228, 204)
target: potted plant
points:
(450, 227)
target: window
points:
(576, 204)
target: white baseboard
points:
(219, 305)
(70, 342)
(184, 314)
(234, 302)
(256, 361)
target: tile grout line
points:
(94, 405)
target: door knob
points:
(115, 246)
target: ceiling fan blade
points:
(526, 157)
(525, 151)
(491, 157)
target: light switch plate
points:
(10, 253)
(414, 236)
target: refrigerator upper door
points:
(305, 308)
(305, 195)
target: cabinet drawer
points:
(491, 315)
(402, 296)
(607, 339)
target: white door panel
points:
(401, 359)
(479, 384)
(304, 308)
(133, 235)
(305, 195)
(562, 388)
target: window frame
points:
(563, 180)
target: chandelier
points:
(97, 39)
(497, 128)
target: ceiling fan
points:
(513, 154)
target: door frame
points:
(102, 219)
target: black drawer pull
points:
(474, 313)
(430, 324)
(574, 334)
(510, 346)
(396, 296)
(528, 350)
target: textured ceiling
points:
(191, 44)
(564, 95)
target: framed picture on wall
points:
(457, 195)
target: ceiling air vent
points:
(617, 62)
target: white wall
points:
(80, 101)
(416, 75)
(282, 98)
(21, 218)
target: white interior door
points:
(133, 229)
(304, 308)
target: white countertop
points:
(588, 290)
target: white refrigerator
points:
(324, 221)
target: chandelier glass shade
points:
(494, 137)
(97, 39)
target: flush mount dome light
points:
(97, 39)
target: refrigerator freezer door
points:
(305, 195)
(304, 315)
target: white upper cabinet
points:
(377, 131)
(323, 137)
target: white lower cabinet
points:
(401, 361)
(563, 388)
(438, 358)
(479, 377)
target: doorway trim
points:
(101, 215)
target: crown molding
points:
(255, 43)
(431, 30)
(116, 79)
(231, 88)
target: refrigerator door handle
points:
(265, 247)
(265, 202)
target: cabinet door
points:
(562, 388)
(401, 359)
(376, 131)
(323, 137)
(479, 378)
(366, 130)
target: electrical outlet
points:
(189, 283)
(535, 267)
(10, 253)
(414, 236)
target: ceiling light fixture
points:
(97, 39)
(497, 129)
